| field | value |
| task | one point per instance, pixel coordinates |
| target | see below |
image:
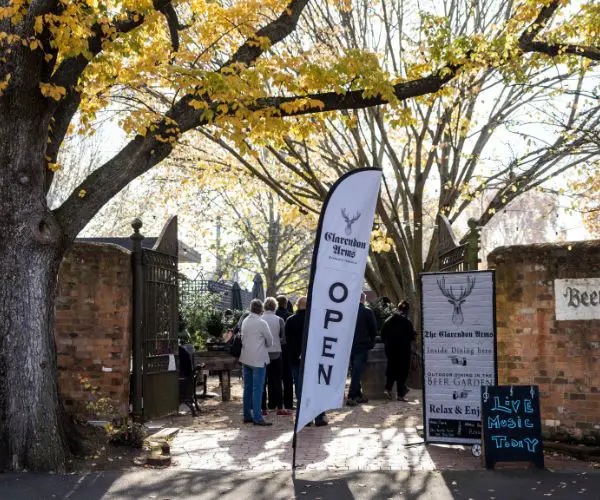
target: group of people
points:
(271, 353)
(270, 357)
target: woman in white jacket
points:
(256, 339)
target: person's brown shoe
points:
(263, 423)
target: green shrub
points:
(215, 327)
(197, 314)
(128, 433)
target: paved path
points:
(173, 484)
(325, 448)
(377, 436)
(380, 435)
(368, 452)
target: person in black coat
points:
(294, 333)
(397, 335)
(364, 340)
(286, 370)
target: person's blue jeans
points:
(296, 379)
(358, 361)
(298, 388)
(254, 382)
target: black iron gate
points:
(454, 255)
(155, 347)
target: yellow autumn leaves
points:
(55, 92)
(380, 241)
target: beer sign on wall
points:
(459, 352)
(577, 299)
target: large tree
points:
(62, 62)
(490, 136)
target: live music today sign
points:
(459, 353)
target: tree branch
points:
(39, 7)
(527, 41)
(172, 22)
(143, 152)
(556, 49)
(70, 70)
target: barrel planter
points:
(373, 379)
(415, 375)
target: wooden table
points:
(221, 362)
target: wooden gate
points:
(155, 345)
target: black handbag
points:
(235, 345)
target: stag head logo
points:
(349, 221)
(457, 301)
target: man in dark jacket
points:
(364, 340)
(294, 333)
(286, 367)
(397, 335)
(294, 330)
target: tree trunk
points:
(271, 289)
(31, 249)
(31, 433)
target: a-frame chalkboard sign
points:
(511, 424)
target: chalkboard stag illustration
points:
(457, 302)
(349, 220)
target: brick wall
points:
(93, 325)
(562, 357)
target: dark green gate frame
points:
(155, 386)
(452, 255)
(455, 255)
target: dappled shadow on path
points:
(212, 485)
(380, 485)
(527, 483)
(175, 484)
(379, 435)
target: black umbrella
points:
(258, 291)
(236, 297)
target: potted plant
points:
(197, 314)
(215, 327)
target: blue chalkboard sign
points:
(511, 424)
